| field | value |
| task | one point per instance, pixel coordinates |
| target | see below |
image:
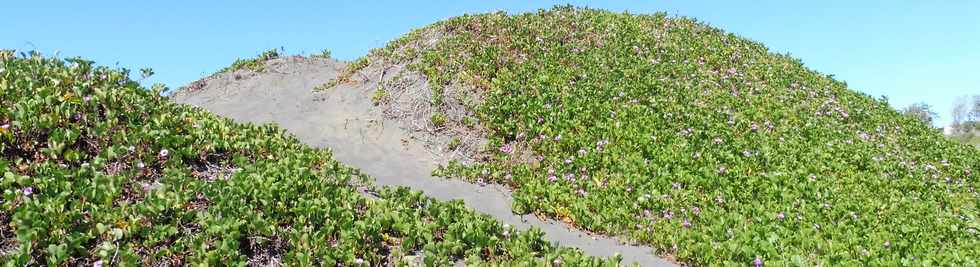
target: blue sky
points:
(909, 51)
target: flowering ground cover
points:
(98, 170)
(698, 142)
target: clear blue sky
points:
(910, 51)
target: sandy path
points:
(343, 120)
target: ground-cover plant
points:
(257, 63)
(700, 143)
(346, 75)
(97, 170)
(325, 53)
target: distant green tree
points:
(975, 114)
(922, 112)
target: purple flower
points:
(87, 98)
(696, 210)
(28, 191)
(757, 262)
(687, 224)
(507, 149)
(552, 178)
(780, 216)
(569, 176)
(97, 263)
(583, 193)
(558, 137)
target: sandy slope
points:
(344, 120)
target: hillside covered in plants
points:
(700, 143)
(99, 171)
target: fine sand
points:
(344, 120)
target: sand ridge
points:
(344, 119)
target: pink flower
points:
(552, 178)
(507, 149)
(780, 216)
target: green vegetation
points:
(323, 54)
(380, 96)
(98, 170)
(454, 143)
(700, 143)
(438, 119)
(253, 64)
(343, 77)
